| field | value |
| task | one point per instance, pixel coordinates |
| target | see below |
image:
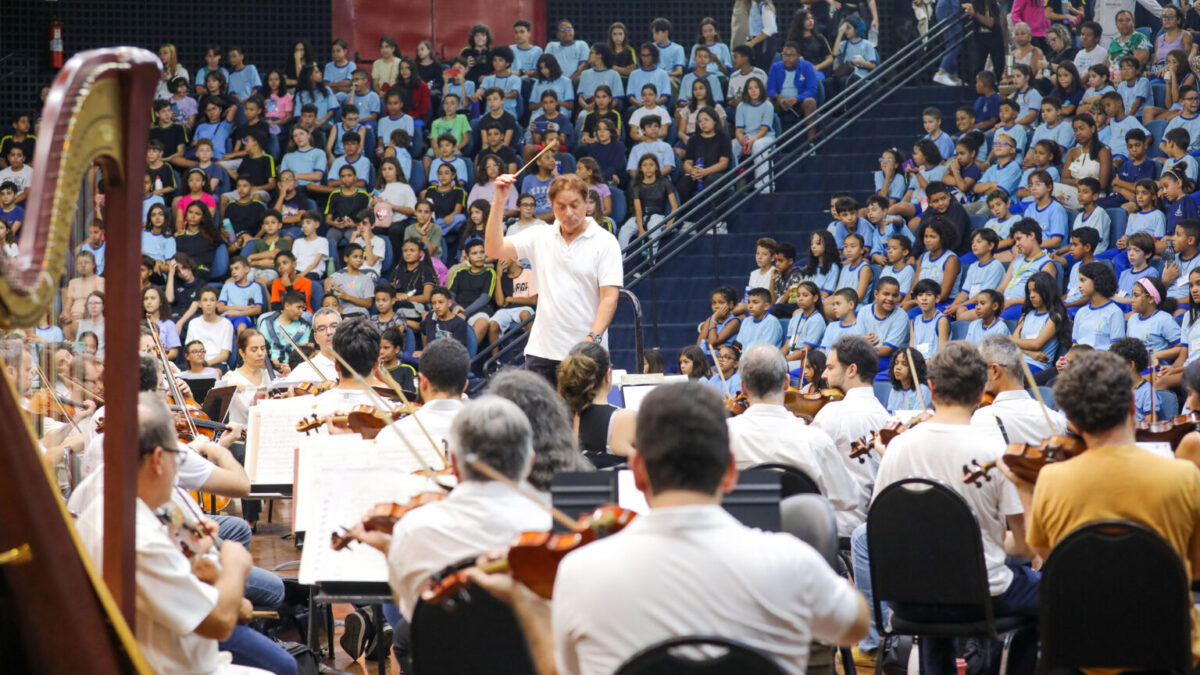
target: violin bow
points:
(491, 473)
(77, 383)
(54, 397)
(304, 356)
(171, 385)
(531, 161)
(390, 381)
(912, 368)
(358, 379)
(1038, 393)
(717, 365)
(1153, 394)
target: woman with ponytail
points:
(605, 432)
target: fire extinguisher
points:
(56, 44)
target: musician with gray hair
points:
(1017, 415)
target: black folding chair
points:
(925, 548)
(792, 479)
(1114, 594)
(476, 634)
(699, 655)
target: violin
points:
(988, 399)
(860, 448)
(303, 389)
(42, 402)
(807, 406)
(736, 405)
(1170, 431)
(366, 420)
(1026, 460)
(187, 532)
(383, 516)
(533, 557)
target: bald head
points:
(764, 372)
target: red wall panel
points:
(362, 22)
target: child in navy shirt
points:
(987, 106)
(1132, 170)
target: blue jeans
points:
(944, 9)
(251, 648)
(264, 589)
(1020, 599)
(862, 581)
(232, 528)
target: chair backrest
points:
(926, 548)
(958, 329)
(1170, 404)
(1120, 219)
(1115, 594)
(811, 519)
(479, 635)
(578, 492)
(883, 391)
(792, 479)
(682, 655)
(619, 206)
(1047, 395)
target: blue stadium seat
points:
(220, 265)
(1156, 128)
(883, 389)
(417, 180)
(958, 329)
(1119, 218)
(1047, 396)
(619, 206)
(1145, 30)
(1159, 91)
(1012, 324)
(388, 257)
(1170, 405)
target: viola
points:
(1170, 431)
(860, 448)
(1026, 460)
(808, 405)
(366, 420)
(736, 405)
(533, 557)
(383, 516)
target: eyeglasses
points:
(1191, 98)
(566, 29)
(724, 357)
(180, 455)
(1002, 144)
(326, 329)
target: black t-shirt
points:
(814, 49)
(711, 150)
(405, 376)
(412, 282)
(469, 286)
(431, 73)
(199, 249)
(167, 176)
(505, 122)
(171, 137)
(483, 63)
(506, 155)
(444, 202)
(653, 196)
(624, 58)
(258, 169)
(454, 327)
(593, 120)
(245, 217)
(259, 127)
(28, 144)
(185, 295)
(343, 206)
(223, 101)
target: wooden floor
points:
(269, 549)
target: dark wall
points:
(264, 28)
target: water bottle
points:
(158, 185)
(700, 165)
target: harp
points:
(95, 114)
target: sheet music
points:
(272, 439)
(317, 455)
(342, 497)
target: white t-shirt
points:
(239, 407)
(761, 279)
(854, 418)
(1085, 59)
(569, 278)
(473, 519)
(396, 194)
(215, 336)
(694, 570)
(1022, 416)
(309, 252)
(939, 451)
(770, 433)
(22, 178)
(378, 248)
(436, 415)
(663, 115)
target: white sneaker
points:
(945, 79)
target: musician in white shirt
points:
(769, 432)
(938, 448)
(325, 323)
(851, 367)
(686, 567)
(356, 341)
(1018, 417)
(441, 379)
(179, 618)
(479, 515)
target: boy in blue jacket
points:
(792, 86)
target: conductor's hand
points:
(504, 186)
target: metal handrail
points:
(795, 141)
(516, 337)
(727, 201)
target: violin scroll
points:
(976, 473)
